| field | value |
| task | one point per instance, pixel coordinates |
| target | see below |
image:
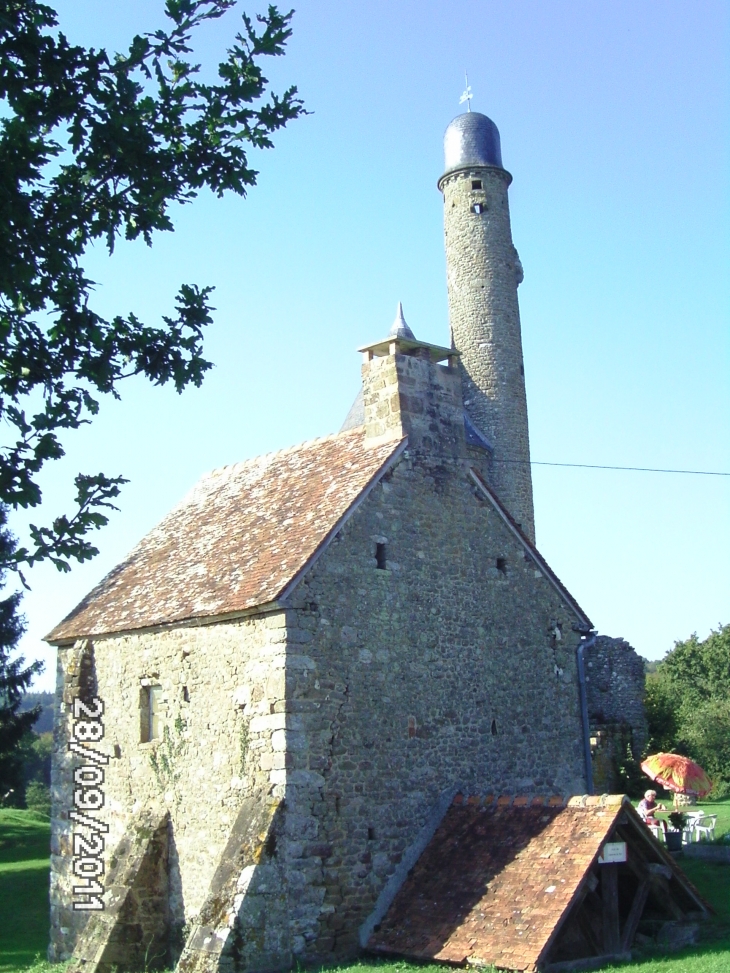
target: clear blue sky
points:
(614, 124)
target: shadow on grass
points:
(23, 835)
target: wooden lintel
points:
(637, 909)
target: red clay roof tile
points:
(518, 869)
(235, 541)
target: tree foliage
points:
(688, 704)
(95, 147)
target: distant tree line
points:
(688, 705)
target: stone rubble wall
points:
(445, 670)
(405, 395)
(133, 931)
(615, 679)
(221, 684)
(483, 271)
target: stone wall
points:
(452, 668)
(220, 744)
(406, 395)
(615, 678)
(483, 271)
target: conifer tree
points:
(15, 678)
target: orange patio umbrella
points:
(677, 773)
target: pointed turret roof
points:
(400, 329)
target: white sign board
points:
(613, 851)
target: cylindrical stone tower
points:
(483, 272)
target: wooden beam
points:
(637, 908)
(584, 924)
(609, 896)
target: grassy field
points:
(24, 869)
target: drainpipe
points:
(585, 643)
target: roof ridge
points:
(307, 443)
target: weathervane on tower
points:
(467, 96)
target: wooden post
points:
(637, 908)
(609, 896)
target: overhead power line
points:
(593, 466)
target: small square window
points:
(476, 184)
(150, 705)
(478, 208)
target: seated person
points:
(648, 808)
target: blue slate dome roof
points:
(472, 139)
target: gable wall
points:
(398, 681)
(217, 749)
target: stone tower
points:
(483, 273)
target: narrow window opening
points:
(476, 184)
(371, 834)
(270, 846)
(380, 557)
(412, 727)
(186, 694)
(150, 700)
(478, 208)
(494, 728)
(502, 565)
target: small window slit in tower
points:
(494, 728)
(476, 184)
(478, 208)
(502, 565)
(186, 694)
(371, 834)
(380, 557)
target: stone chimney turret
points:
(407, 391)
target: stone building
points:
(306, 660)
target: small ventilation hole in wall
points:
(186, 694)
(371, 834)
(412, 727)
(494, 728)
(502, 565)
(380, 557)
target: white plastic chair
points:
(705, 827)
(693, 818)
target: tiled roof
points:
(495, 880)
(236, 541)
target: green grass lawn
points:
(24, 871)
